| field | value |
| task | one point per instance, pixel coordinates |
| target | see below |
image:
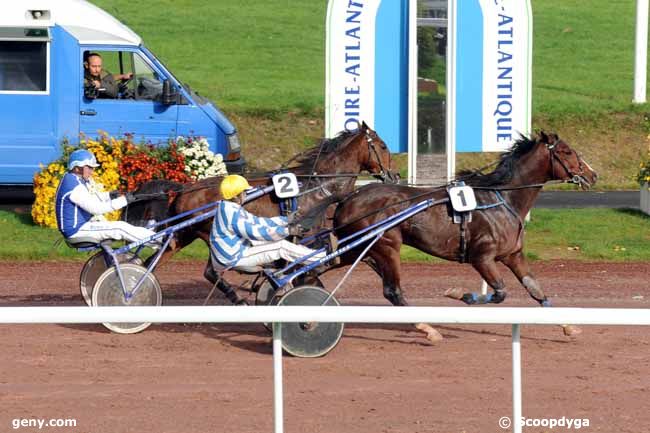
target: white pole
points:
(413, 92)
(641, 52)
(516, 379)
(277, 377)
(451, 91)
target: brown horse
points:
(494, 233)
(327, 171)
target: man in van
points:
(100, 82)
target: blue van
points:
(43, 100)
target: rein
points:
(314, 174)
(502, 202)
(372, 150)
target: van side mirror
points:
(169, 96)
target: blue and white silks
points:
(77, 201)
(234, 230)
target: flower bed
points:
(200, 161)
(125, 166)
(108, 152)
(141, 164)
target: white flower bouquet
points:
(200, 161)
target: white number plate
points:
(286, 185)
(462, 198)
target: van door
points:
(27, 106)
(135, 108)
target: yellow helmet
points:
(233, 185)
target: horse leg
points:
(385, 261)
(488, 269)
(518, 264)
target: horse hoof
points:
(434, 337)
(571, 330)
(454, 293)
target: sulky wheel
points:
(309, 340)
(267, 295)
(94, 267)
(108, 293)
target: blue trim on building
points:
(391, 67)
(469, 76)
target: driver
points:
(239, 238)
(80, 206)
(95, 76)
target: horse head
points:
(565, 163)
(377, 160)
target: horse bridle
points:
(384, 174)
(576, 178)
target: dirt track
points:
(212, 378)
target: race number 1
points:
(462, 198)
(286, 185)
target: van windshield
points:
(198, 98)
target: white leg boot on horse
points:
(432, 334)
(519, 266)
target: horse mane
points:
(504, 171)
(304, 162)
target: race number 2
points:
(462, 198)
(286, 185)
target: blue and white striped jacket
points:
(234, 228)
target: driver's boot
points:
(230, 293)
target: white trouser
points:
(262, 253)
(116, 230)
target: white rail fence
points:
(435, 315)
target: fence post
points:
(641, 51)
(277, 378)
(516, 378)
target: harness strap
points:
(515, 214)
(462, 255)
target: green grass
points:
(263, 63)
(580, 234)
(20, 239)
(583, 57)
(585, 234)
(249, 56)
(268, 56)
(589, 234)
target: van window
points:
(106, 74)
(148, 83)
(23, 66)
(144, 84)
